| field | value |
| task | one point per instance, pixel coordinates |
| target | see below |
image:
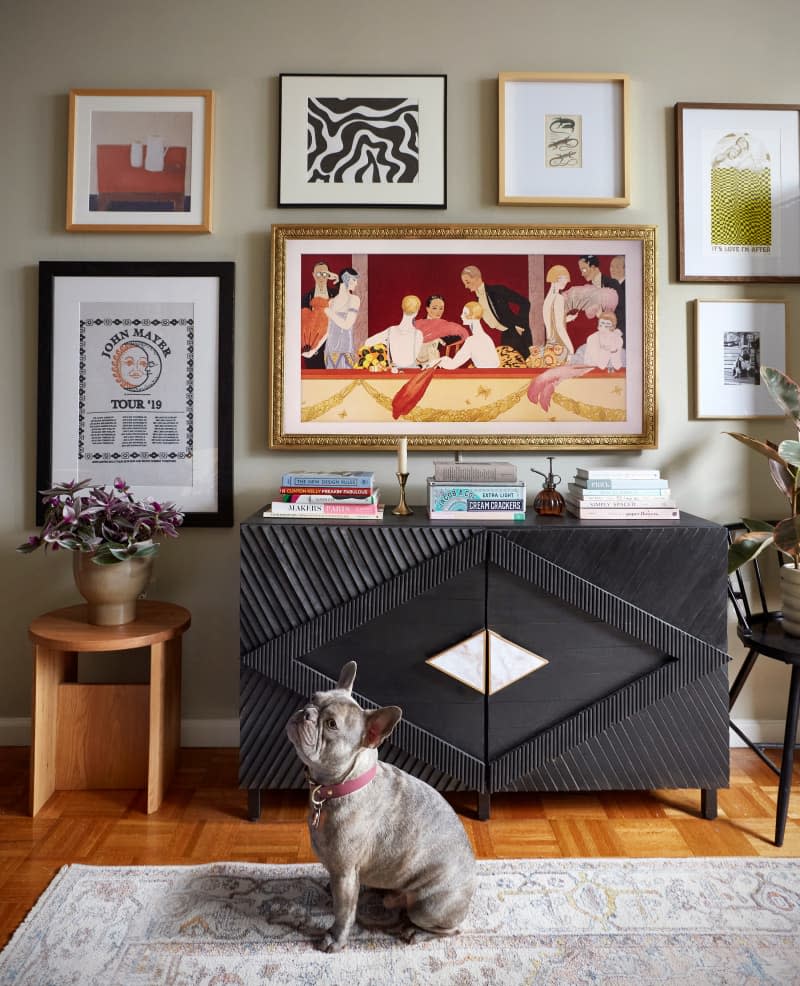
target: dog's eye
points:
(331, 724)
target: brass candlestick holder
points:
(402, 509)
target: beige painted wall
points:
(716, 51)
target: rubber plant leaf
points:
(784, 391)
(789, 451)
(746, 547)
(765, 448)
(781, 476)
(787, 536)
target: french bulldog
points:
(374, 825)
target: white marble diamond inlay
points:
(466, 661)
(508, 662)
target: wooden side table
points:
(105, 736)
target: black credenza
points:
(627, 623)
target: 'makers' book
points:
(313, 510)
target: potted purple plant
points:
(113, 537)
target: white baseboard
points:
(225, 732)
(194, 732)
(759, 730)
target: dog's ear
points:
(347, 676)
(380, 723)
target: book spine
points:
(583, 494)
(326, 490)
(351, 497)
(474, 472)
(625, 513)
(619, 484)
(471, 515)
(618, 473)
(616, 502)
(474, 506)
(325, 509)
(349, 480)
(476, 491)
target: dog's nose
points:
(307, 716)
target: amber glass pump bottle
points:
(549, 502)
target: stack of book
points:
(475, 491)
(620, 494)
(315, 495)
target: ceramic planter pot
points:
(111, 591)
(790, 596)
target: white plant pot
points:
(790, 599)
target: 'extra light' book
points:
(467, 496)
(618, 473)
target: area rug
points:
(693, 922)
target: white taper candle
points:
(402, 455)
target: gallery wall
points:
(718, 51)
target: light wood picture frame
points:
(733, 340)
(140, 160)
(738, 191)
(563, 139)
(499, 341)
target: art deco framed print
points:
(463, 337)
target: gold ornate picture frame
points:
(463, 337)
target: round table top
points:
(67, 629)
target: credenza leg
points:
(254, 803)
(484, 806)
(708, 802)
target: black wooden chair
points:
(761, 632)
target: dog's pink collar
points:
(320, 793)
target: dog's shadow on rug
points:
(281, 908)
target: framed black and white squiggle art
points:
(363, 140)
(136, 380)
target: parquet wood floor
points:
(204, 818)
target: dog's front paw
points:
(331, 944)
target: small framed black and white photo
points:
(734, 339)
(363, 140)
